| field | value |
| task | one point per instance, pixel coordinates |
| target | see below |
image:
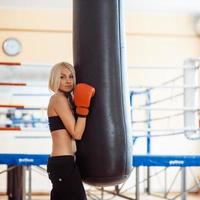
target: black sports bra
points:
(55, 123)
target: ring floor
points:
(192, 196)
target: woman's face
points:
(66, 80)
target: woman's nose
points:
(68, 80)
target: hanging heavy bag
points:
(104, 153)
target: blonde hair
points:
(55, 73)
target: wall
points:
(151, 39)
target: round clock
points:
(12, 46)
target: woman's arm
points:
(63, 110)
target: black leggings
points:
(65, 178)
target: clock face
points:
(12, 46)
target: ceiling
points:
(173, 6)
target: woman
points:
(62, 169)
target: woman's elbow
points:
(78, 137)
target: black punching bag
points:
(104, 153)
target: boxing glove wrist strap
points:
(82, 111)
(81, 116)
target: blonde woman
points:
(67, 111)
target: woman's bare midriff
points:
(62, 143)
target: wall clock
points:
(12, 46)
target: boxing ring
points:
(25, 139)
(138, 160)
(183, 161)
(144, 128)
(179, 117)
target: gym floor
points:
(142, 197)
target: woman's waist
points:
(63, 148)
(60, 148)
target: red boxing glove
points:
(82, 97)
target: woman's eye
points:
(62, 77)
(71, 77)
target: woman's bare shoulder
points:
(58, 99)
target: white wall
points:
(153, 39)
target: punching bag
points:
(104, 153)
